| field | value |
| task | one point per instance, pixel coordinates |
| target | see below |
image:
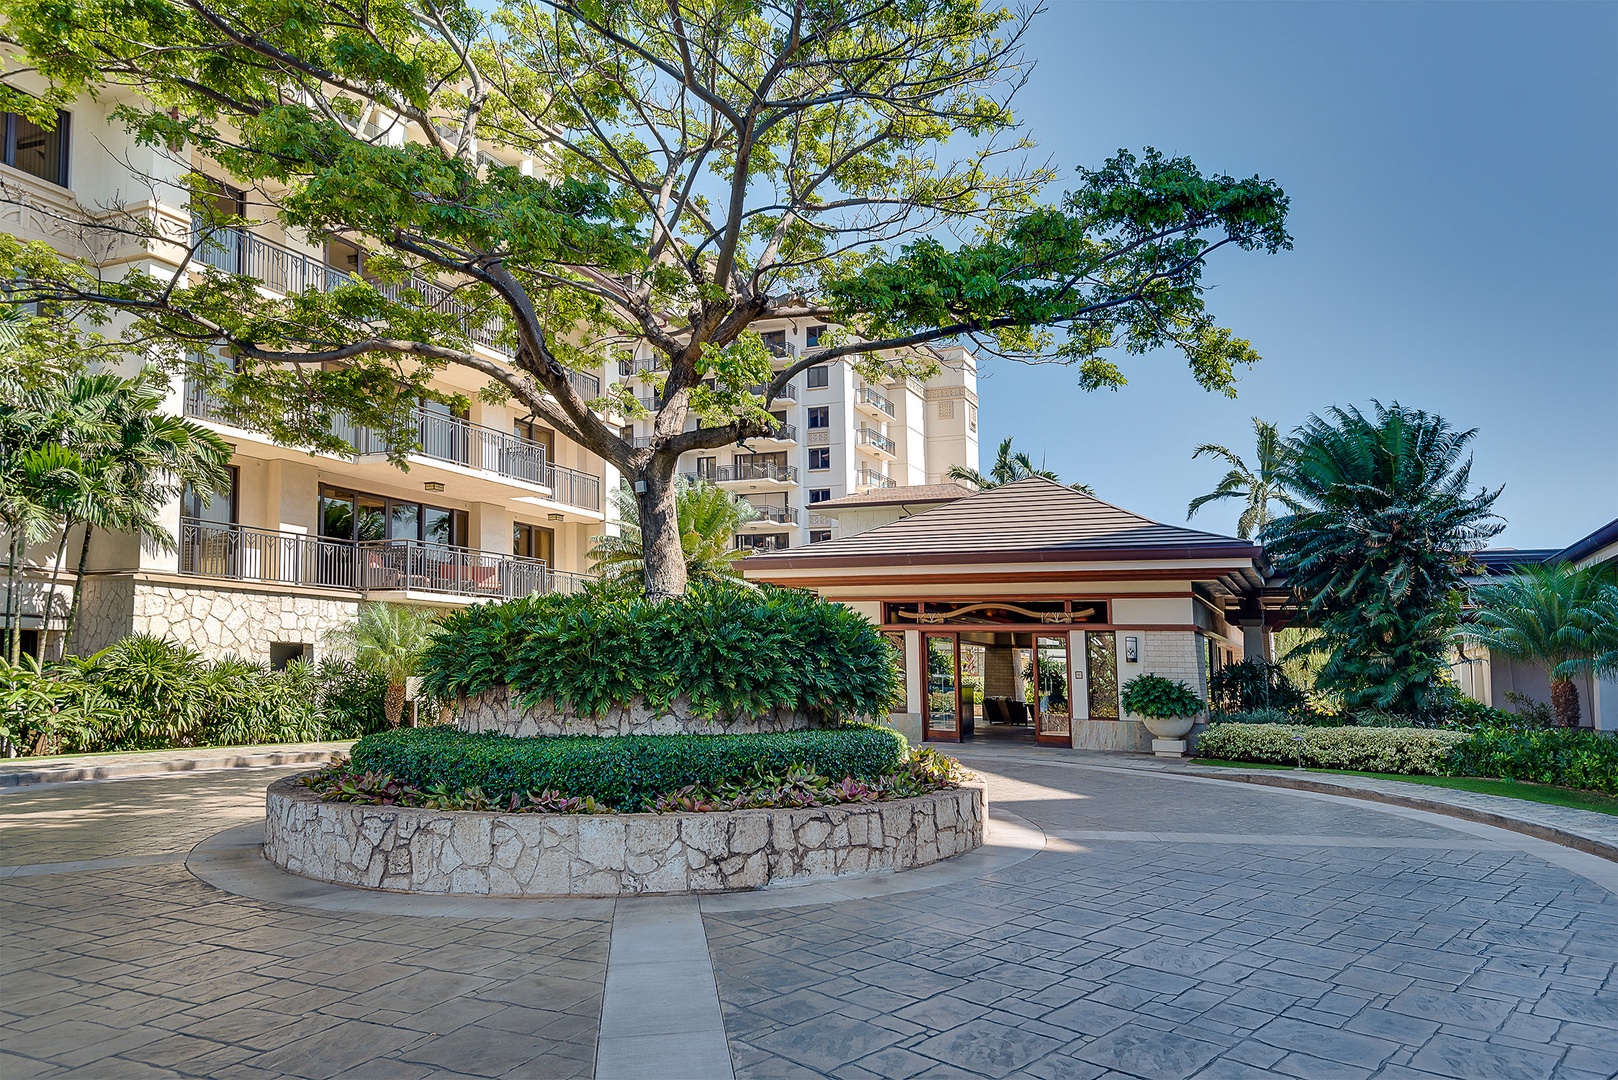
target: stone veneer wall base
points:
(549, 855)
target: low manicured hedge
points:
(1575, 759)
(727, 648)
(1416, 751)
(623, 772)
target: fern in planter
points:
(1157, 698)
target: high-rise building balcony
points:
(366, 567)
(762, 473)
(873, 440)
(282, 270)
(451, 440)
(869, 401)
(870, 478)
(774, 515)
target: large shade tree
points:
(701, 166)
(1378, 551)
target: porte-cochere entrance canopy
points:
(1021, 610)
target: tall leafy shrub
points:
(729, 649)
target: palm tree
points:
(34, 482)
(1377, 552)
(143, 461)
(390, 640)
(708, 516)
(1259, 486)
(1561, 618)
(1008, 468)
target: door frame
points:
(1035, 711)
(927, 688)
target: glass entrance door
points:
(1053, 712)
(941, 710)
(1101, 657)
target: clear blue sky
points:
(1453, 170)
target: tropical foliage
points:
(1577, 759)
(730, 650)
(1160, 698)
(1561, 618)
(709, 518)
(90, 452)
(707, 166)
(626, 772)
(146, 693)
(1257, 487)
(1254, 684)
(1378, 552)
(1009, 467)
(1412, 751)
(391, 641)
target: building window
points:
(819, 495)
(819, 536)
(820, 417)
(820, 458)
(349, 515)
(217, 509)
(775, 341)
(708, 468)
(534, 542)
(36, 151)
(819, 377)
(811, 338)
(283, 653)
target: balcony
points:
(777, 515)
(781, 348)
(871, 401)
(754, 471)
(453, 440)
(782, 432)
(875, 440)
(239, 553)
(643, 365)
(870, 478)
(762, 543)
(283, 270)
(788, 392)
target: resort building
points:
(835, 435)
(1021, 610)
(1499, 680)
(492, 505)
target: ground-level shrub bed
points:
(1394, 750)
(914, 773)
(1572, 759)
(1566, 758)
(627, 772)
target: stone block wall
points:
(215, 621)
(463, 852)
(498, 710)
(106, 613)
(1174, 655)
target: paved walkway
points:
(1131, 923)
(22, 772)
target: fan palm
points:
(1377, 552)
(390, 640)
(1561, 618)
(708, 517)
(1259, 486)
(1009, 467)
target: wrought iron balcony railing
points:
(240, 553)
(283, 270)
(872, 478)
(453, 440)
(870, 397)
(874, 438)
(756, 470)
(746, 542)
(781, 515)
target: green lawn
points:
(1511, 789)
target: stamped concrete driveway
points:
(1166, 927)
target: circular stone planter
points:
(498, 710)
(458, 851)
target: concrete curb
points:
(1592, 845)
(108, 768)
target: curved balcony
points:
(774, 515)
(870, 401)
(874, 440)
(872, 479)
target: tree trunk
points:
(393, 703)
(50, 593)
(13, 601)
(1565, 702)
(78, 589)
(662, 555)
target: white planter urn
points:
(1168, 734)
